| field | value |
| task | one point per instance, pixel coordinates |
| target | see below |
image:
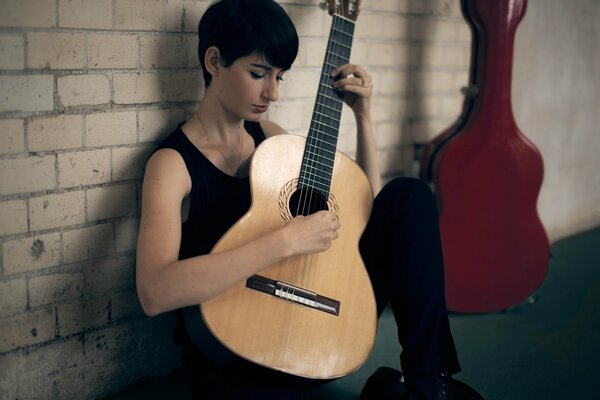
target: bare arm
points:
(164, 283)
(358, 88)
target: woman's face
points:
(248, 86)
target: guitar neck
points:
(321, 142)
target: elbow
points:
(149, 303)
(149, 306)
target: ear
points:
(212, 60)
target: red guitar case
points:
(487, 177)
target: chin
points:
(253, 117)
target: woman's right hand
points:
(311, 234)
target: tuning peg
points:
(324, 5)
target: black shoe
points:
(440, 387)
(385, 384)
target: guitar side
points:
(290, 336)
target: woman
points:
(196, 186)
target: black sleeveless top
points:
(217, 200)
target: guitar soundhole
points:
(307, 201)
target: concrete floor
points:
(544, 349)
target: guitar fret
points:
(327, 126)
(320, 155)
(320, 150)
(321, 186)
(326, 108)
(329, 173)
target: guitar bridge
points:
(293, 294)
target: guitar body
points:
(487, 179)
(278, 333)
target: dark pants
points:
(402, 251)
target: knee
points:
(407, 187)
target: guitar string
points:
(322, 135)
(308, 195)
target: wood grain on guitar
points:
(312, 316)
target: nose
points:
(271, 90)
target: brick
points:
(108, 129)
(391, 160)
(385, 5)
(446, 31)
(79, 90)
(299, 84)
(31, 253)
(139, 15)
(54, 288)
(155, 125)
(111, 202)
(457, 57)
(28, 13)
(27, 93)
(387, 109)
(109, 274)
(347, 140)
(383, 53)
(112, 343)
(184, 15)
(55, 50)
(309, 21)
(190, 42)
(286, 115)
(369, 26)
(451, 105)
(129, 162)
(12, 136)
(137, 88)
(389, 135)
(26, 329)
(162, 51)
(60, 364)
(31, 174)
(395, 27)
(112, 51)
(12, 51)
(83, 168)
(390, 82)
(87, 243)
(55, 133)
(56, 210)
(311, 53)
(126, 231)
(13, 217)
(125, 304)
(87, 14)
(184, 86)
(13, 297)
(81, 315)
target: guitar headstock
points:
(345, 8)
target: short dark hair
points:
(241, 27)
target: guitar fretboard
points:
(319, 153)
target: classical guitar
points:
(487, 176)
(311, 316)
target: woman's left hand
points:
(357, 86)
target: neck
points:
(215, 124)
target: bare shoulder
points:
(271, 128)
(167, 171)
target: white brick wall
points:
(88, 87)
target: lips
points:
(260, 108)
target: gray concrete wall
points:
(556, 102)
